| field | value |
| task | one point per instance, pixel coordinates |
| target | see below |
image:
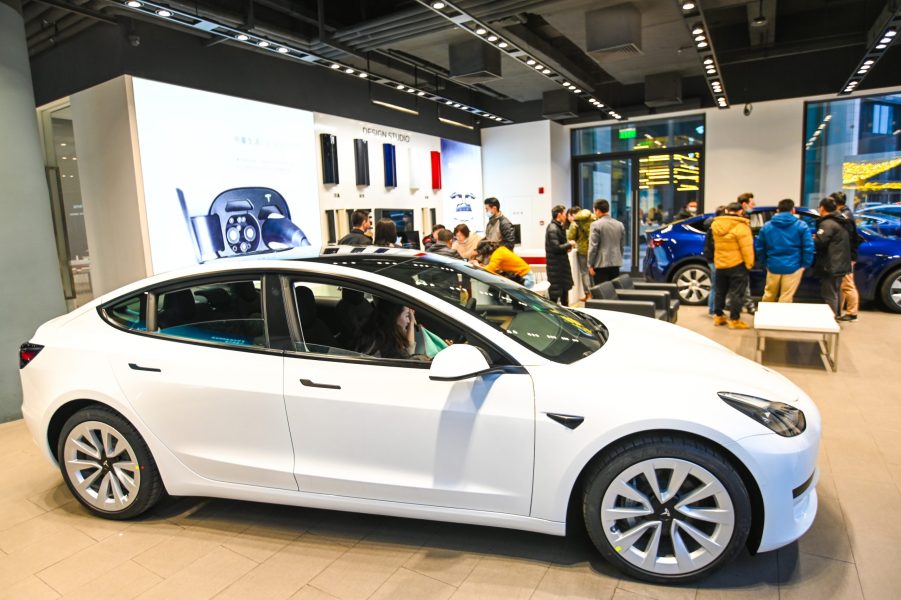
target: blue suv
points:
(675, 255)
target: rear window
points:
(130, 313)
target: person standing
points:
(361, 223)
(850, 296)
(385, 234)
(556, 251)
(579, 232)
(708, 254)
(606, 244)
(784, 247)
(442, 245)
(833, 254)
(747, 205)
(688, 211)
(499, 228)
(733, 255)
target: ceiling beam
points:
(880, 37)
(693, 17)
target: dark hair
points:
(437, 228)
(602, 205)
(786, 205)
(720, 211)
(385, 233)
(573, 210)
(380, 332)
(746, 197)
(733, 207)
(462, 228)
(444, 236)
(839, 197)
(493, 202)
(358, 216)
(557, 210)
(486, 248)
(828, 204)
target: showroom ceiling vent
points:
(559, 104)
(663, 89)
(613, 32)
(474, 61)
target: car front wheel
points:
(106, 464)
(890, 290)
(666, 509)
(693, 283)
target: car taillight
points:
(655, 242)
(27, 352)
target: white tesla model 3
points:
(245, 380)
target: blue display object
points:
(390, 165)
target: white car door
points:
(211, 395)
(381, 429)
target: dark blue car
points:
(675, 255)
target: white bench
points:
(798, 321)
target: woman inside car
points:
(389, 332)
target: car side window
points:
(228, 313)
(130, 313)
(810, 221)
(758, 220)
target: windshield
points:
(546, 328)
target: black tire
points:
(607, 474)
(98, 481)
(694, 284)
(893, 279)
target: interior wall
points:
(109, 169)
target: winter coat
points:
(833, 247)
(733, 243)
(355, 238)
(467, 248)
(556, 251)
(784, 245)
(607, 243)
(444, 250)
(580, 230)
(851, 227)
(500, 229)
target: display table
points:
(798, 321)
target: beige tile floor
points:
(195, 548)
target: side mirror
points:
(460, 361)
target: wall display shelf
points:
(390, 153)
(361, 161)
(329, 147)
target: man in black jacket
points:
(833, 254)
(442, 245)
(850, 295)
(556, 249)
(360, 222)
(499, 228)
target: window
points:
(643, 135)
(228, 313)
(130, 313)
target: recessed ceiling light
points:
(530, 62)
(336, 66)
(502, 45)
(410, 90)
(827, 118)
(348, 70)
(133, 4)
(481, 31)
(63, 144)
(437, 5)
(600, 105)
(364, 75)
(164, 13)
(885, 40)
(891, 33)
(868, 62)
(420, 93)
(577, 91)
(448, 102)
(241, 37)
(546, 71)
(263, 44)
(492, 38)
(700, 38)
(688, 5)
(861, 71)
(708, 61)
(697, 29)
(702, 44)
(538, 66)
(283, 50)
(881, 46)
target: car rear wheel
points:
(693, 283)
(666, 510)
(890, 291)
(106, 464)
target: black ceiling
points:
(806, 47)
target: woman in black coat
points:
(556, 249)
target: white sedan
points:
(260, 380)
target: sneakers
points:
(847, 317)
(738, 324)
(717, 321)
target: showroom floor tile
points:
(197, 548)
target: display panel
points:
(361, 161)
(224, 177)
(461, 168)
(436, 170)
(329, 146)
(390, 154)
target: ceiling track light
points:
(226, 32)
(693, 17)
(466, 22)
(882, 34)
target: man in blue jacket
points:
(784, 247)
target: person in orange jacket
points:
(733, 256)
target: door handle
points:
(140, 368)
(327, 386)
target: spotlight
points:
(577, 91)
(530, 62)
(133, 4)
(702, 44)
(481, 31)
(410, 90)
(867, 63)
(891, 33)
(420, 93)
(502, 45)
(263, 44)
(364, 75)
(492, 38)
(538, 66)
(457, 105)
(688, 5)
(885, 40)
(448, 102)
(283, 50)
(697, 29)
(708, 61)
(336, 66)
(400, 86)
(241, 37)
(164, 13)
(348, 70)
(700, 38)
(437, 5)
(546, 71)
(881, 46)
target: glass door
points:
(611, 180)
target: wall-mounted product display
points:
(418, 168)
(361, 161)
(390, 155)
(224, 177)
(436, 169)
(461, 167)
(329, 148)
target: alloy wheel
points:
(895, 290)
(102, 466)
(693, 285)
(667, 516)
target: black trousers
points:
(602, 274)
(730, 289)
(831, 290)
(558, 295)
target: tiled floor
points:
(194, 548)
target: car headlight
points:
(784, 419)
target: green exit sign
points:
(627, 134)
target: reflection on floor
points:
(195, 548)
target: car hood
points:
(638, 346)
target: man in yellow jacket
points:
(733, 256)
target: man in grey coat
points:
(605, 244)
